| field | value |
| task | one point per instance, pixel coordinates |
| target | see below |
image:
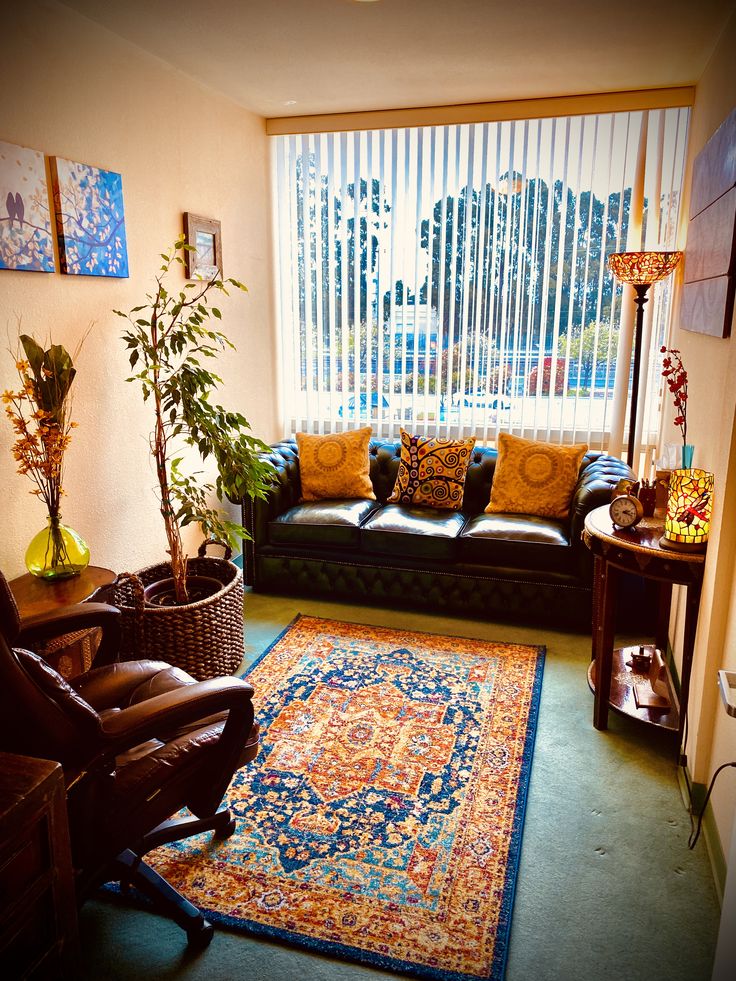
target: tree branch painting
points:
(25, 220)
(90, 219)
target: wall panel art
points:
(25, 221)
(90, 219)
(710, 253)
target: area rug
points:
(382, 820)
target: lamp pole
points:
(640, 298)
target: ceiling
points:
(303, 57)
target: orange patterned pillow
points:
(335, 465)
(432, 471)
(534, 477)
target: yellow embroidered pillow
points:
(336, 465)
(534, 478)
(432, 471)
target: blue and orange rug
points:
(382, 820)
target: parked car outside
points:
(363, 406)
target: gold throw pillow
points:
(534, 478)
(432, 471)
(335, 465)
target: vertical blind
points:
(453, 279)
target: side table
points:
(637, 550)
(71, 653)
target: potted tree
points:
(170, 339)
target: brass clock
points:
(626, 511)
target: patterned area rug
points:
(382, 820)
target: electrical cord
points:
(692, 840)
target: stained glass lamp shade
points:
(640, 270)
(689, 509)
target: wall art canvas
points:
(90, 219)
(710, 253)
(25, 219)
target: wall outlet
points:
(727, 686)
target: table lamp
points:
(640, 270)
(689, 508)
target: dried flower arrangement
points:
(40, 414)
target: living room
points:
(77, 87)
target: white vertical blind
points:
(453, 279)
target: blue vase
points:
(688, 451)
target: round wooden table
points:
(34, 596)
(69, 653)
(637, 550)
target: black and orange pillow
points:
(432, 471)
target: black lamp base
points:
(666, 542)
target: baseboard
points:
(694, 799)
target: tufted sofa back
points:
(385, 456)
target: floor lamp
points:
(640, 270)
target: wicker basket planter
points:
(204, 638)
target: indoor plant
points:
(169, 339)
(40, 413)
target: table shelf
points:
(621, 697)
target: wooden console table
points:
(637, 550)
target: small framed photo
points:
(204, 260)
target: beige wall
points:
(72, 89)
(711, 365)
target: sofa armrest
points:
(595, 483)
(284, 493)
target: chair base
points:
(131, 870)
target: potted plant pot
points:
(204, 637)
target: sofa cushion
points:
(413, 532)
(519, 541)
(321, 523)
(335, 465)
(432, 471)
(534, 478)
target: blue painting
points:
(25, 220)
(90, 219)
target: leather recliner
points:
(138, 741)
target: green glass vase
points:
(57, 552)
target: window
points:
(453, 279)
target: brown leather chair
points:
(138, 741)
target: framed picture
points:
(25, 219)
(90, 219)
(203, 234)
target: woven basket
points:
(204, 638)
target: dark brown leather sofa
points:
(505, 566)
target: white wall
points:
(711, 366)
(72, 89)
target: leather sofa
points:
(501, 566)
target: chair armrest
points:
(172, 709)
(82, 616)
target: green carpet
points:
(607, 888)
